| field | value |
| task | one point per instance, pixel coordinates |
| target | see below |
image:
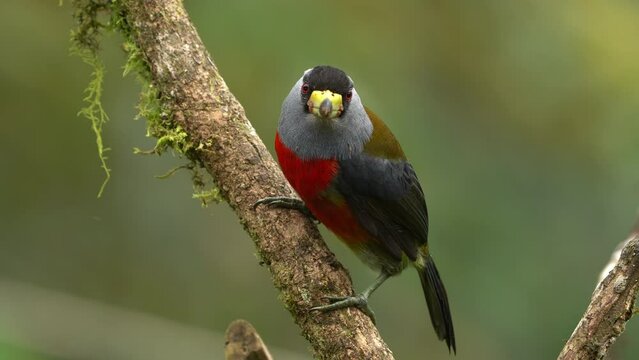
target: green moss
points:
(161, 126)
(151, 106)
(305, 295)
(203, 187)
(208, 196)
(93, 17)
(170, 173)
(135, 61)
(85, 43)
(96, 114)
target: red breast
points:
(308, 177)
(311, 179)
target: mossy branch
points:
(190, 110)
(93, 18)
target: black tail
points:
(437, 303)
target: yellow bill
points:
(325, 104)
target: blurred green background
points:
(521, 119)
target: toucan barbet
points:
(352, 175)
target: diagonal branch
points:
(611, 307)
(302, 267)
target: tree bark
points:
(611, 307)
(302, 267)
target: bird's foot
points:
(286, 203)
(340, 302)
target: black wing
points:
(386, 198)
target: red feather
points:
(308, 177)
(312, 180)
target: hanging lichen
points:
(85, 43)
(92, 18)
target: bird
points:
(352, 175)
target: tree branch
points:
(611, 307)
(302, 267)
(244, 343)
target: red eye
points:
(349, 96)
(305, 89)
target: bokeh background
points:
(521, 119)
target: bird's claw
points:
(286, 203)
(340, 302)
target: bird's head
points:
(326, 92)
(323, 116)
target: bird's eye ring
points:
(305, 89)
(349, 96)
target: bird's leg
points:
(286, 203)
(360, 300)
